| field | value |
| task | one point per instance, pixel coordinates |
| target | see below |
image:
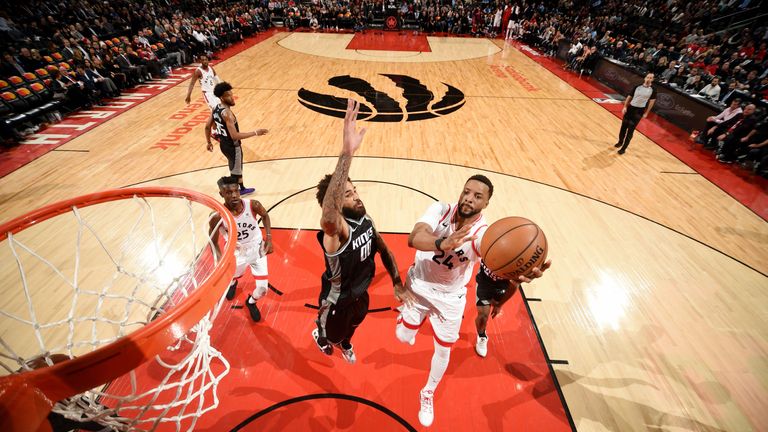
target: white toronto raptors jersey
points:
(248, 231)
(448, 270)
(207, 79)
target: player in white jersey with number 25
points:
(447, 239)
(208, 80)
(252, 249)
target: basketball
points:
(513, 246)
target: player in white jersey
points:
(208, 80)
(448, 239)
(252, 249)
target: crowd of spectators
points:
(85, 50)
(61, 56)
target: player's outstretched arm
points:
(388, 258)
(236, 135)
(259, 209)
(332, 220)
(191, 86)
(208, 127)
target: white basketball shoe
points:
(427, 410)
(482, 346)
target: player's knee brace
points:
(261, 289)
(404, 334)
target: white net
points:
(86, 278)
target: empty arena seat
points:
(28, 96)
(41, 91)
(42, 74)
(30, 78)
(16, 81)
(17, 104)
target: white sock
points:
(260, 290)
(251, 300)
(439, 364)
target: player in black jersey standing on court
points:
(349, 241)
(229, 133)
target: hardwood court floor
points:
(657, 296)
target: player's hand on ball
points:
(457, 239)
(536, 271)
(260, 132)
(404, 295)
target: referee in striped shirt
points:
(637, 105)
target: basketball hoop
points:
(172, 322)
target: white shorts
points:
(450, 304)
(253, 256)
(211, 100)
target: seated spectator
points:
(134, 72)
(104, 85)
(69, 90)
(717, 125)
(10, 67)
(693, 82)
(25, 60)
(729, 93)
(733, 140)
(757, 147)
(669, 72)
(109, 69)
(711, 90)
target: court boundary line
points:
(548, 359)
(475, 168)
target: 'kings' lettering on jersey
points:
(362, 239)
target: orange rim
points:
(27, 398)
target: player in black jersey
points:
(229, 133)
(492, 293)
(349, 241)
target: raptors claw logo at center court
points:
(419, 99)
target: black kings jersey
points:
(221, 126)
(349, 271)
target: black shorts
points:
(340, 321)
(234, 155)
(490, 292)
